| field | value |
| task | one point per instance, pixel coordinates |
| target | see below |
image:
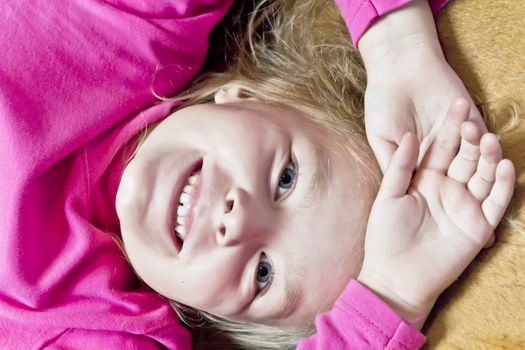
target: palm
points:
(425, 229)
(447, 223)
(429, 231)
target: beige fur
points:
(484, 40)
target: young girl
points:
(65, 126)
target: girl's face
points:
(268, 229)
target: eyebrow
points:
(319, 177)
(293, 297)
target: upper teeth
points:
(184, 205)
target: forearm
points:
(409, 29)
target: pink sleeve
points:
(75, 86)
(359, 15)
(360, 320)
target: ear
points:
(230, 94)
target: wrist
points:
(405, 31)
(414, 314)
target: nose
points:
(242, 219)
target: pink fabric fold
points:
(360, 320)
(359, 15)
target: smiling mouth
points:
(185, 207)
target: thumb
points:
(398, 175)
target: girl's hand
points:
(423, 231)
(410, 84)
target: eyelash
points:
(293, 164)
(263, 291)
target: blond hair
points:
(296, 54)
(269, 56)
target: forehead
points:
(261, 113)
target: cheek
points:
(352, 252)
(351, 220)
(211, 285)
(326, 281)
(345, 239)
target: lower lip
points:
(181, 182)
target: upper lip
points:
(172, 212)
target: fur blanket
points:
(484, 40)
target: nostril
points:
(220, 235)
(222, 230)
(229, 206)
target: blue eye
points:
(264, 274)
(286, 179)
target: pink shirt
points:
(75, 79)
(359, 15)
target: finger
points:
(476, 118)
(496, 203)
(383, 150)
(464, 164)
(444, 148)
(490, 241)
(399, 172)
(481, 183)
